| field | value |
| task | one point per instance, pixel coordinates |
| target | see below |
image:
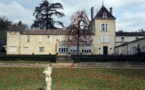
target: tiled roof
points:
(101, 11)
(45, 32)
(130, 33)
(48, 32)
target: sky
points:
(130, 14)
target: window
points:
(134, 50)
(73, 49)
(120, 50)
(122, 39)
(28, 39)
(48, 38)
(143, 49)
(13, 48)
(104, 27)
(26, 49)
(41, 49)
(86, 49)
(59, 38)
(137, 38)
(39, 39)
(63, 50)
(105, 38)
(104, 15)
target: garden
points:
(32, 78)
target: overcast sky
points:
(130, 14)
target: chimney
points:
(92, 13)
(111, 10)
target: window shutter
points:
(26, 38)
(108, 39)
(100, 27)
(13, 48)
(102, 39)
(60, 38)
(48, 38)
(38, 38)
(107, 27)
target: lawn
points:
(73, 79)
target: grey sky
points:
(129, 13)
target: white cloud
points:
(15, 12)
(131, 21)
(129, 13)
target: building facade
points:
(125, 37)
(131, 48)
(53, 41)
(104, 26)
(106, 41)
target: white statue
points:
(48, 71)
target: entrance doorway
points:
(105, 50)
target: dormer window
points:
(104, 15)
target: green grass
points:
(73, 79)
(21, 78)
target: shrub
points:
(51, 58)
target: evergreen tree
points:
(44, 13)
(4, 25)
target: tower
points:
(104, 27)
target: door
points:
(105, 50)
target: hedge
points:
(107, 58)
(51, 58)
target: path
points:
(64, 65)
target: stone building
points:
(49, 41)
(106, 41)
(130, 48)
(125, 37)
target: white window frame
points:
(25, 49)
(63, 49)
(105, 39)
(86, 49)
(104, 27)
(73, 49)
(39, 39)
(59, 38)
(41, 49)
(27, 39)
(48, 39)
(12, 48)
(122, 39)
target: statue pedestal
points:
(48, 79)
